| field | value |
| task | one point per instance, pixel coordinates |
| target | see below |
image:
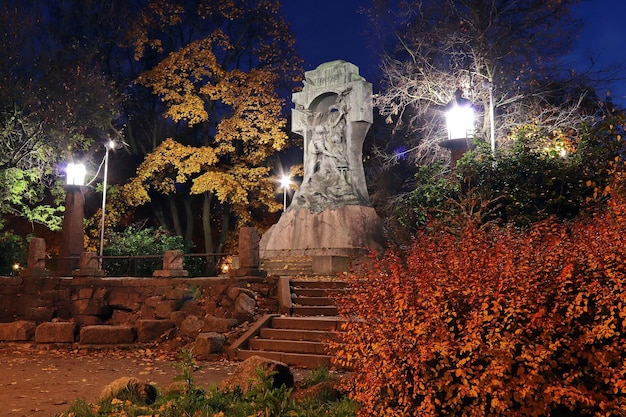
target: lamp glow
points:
(76, 174)
(460, 122)
(285, 182)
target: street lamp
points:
(110, 145)
(285, 182)
(460, 124)
(72, 242)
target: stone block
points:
(39, 314)
(249, 248)
(178, 317)
(153, 301)
(330, 265)
(106, 335)
(217, 324)
(84, 320)
(192, 307)
(245, 308)
(148, 330)
(147, 312)
(123, 317)
(124, 298)
(85, 293)
(191, 326)
(208, 344)
(164, 309)
(58, 332)
(17, 331)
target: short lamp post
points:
(72, 233)
(460, 124)
(285, 182)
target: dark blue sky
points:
(333, 29)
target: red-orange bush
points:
(493, 323)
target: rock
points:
(192, 308)
(246, 377)
(58, 332)
(245, 308)
(164, 309)
(148, 330)
(21, 330)
(208, 344)
(132, 389)
(39, 314)
(191, 326)
(106, 335)
(178, 317)
(216, 324)
(233, 292)
(328, 390)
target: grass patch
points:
(191, 400)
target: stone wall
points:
(127, 310)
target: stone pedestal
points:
(172, 265)
(88, 266)
(248, 259)
(36, 263)
(72, 234)
(348, 231)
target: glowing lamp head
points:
(285, 181)
(75, 174)
(460, 122)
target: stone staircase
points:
(288, 266)
(301, 337)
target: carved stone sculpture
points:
(333, 113)
(330, 213)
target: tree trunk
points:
(189, 224)
(171, 201)
(208, 233)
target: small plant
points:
(317, 376)
(269, 401)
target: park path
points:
(40, 381)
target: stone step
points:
(313, 301)
(315, 292)
(307, 323)
(288, 266)
(295, 334)
(288, 346)
(318, 284)
(310, 311)
(294, 359)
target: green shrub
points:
(12, 253)
(139, 242)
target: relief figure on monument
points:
(326, 181)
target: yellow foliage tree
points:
(221, 91)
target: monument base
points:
(352, 231)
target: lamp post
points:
(72, 234)
(460, 125)
(110, 145)
(285, 182)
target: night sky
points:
(333, 29)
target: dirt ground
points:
(38, 381)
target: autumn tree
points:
(219, 68)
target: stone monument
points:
(330, 213)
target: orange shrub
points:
(497, 322)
